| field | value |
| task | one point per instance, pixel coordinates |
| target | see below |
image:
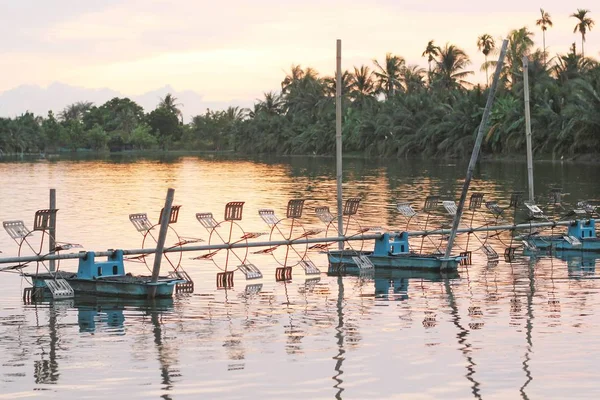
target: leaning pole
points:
(475, 153)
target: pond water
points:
(526, 328)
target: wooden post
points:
(160, 243)
(528, 127)
(52, 229)
(338, 138)
(475, 153)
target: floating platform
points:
(106, 278)
(120, 286)
(393, 253)
(399, 261)
(581, 236)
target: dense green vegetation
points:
(390, 109)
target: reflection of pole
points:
(52, 229)
(528, 127)
(46, 371)
(338, 138)
(340, 339)
(475, 153)
(529, 326)
(162, 357)
(462, 339)
(162, 236)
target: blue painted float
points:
(581, 236)
(107, 278)
(392, 251)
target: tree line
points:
(390, 109)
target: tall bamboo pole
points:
(338, 138)
(528, 127)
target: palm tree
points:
(169, 103)
(271, 105)
(412, 76)
(296, 75)
(75, 111)
(520, 44)
(431, 51)
(486, 44)
(544, 22)
(450, 65)
(571, 66)
(362, 83)
(585, 24)
(331, 84)
(388, 75)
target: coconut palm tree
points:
(75, 111)
(544, 22)
(520, 44)
(486, 44)
(450, 66)
(169, 103)
(431, 51)
(296, 75)
(388, 75)
(330, 83)
(571, 66)
(412, 76)
(271, 105)
(585, 24)
(362, 84)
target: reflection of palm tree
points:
(486, 44)
(544, 22)
(585, 24)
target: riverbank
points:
(591, 158)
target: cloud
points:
(239, 49)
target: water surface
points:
(525, 328)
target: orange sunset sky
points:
(235, 49)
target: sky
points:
(235, 49)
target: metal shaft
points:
(304, 240)
(475, 153)
(490, 228)
(338, 137)
(528, 127)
